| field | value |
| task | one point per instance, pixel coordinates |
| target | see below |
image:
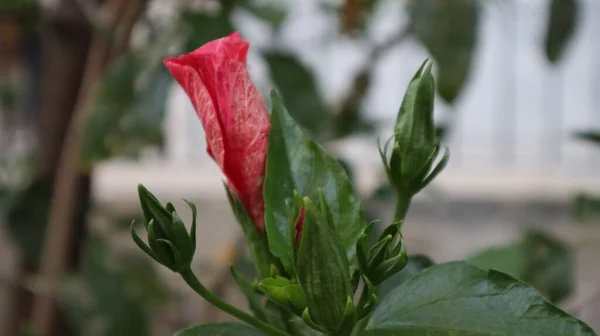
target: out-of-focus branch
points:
(63, 203)
(134, 10)
(362, 78)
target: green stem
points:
(192, 281)
(402, 205)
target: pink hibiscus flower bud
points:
(298, 226)
(233, 114)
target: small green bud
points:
(284, 292)
(416, 146)
(169, 243)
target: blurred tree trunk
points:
(65, 43)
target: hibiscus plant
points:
(318, 263)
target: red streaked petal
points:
(192, 84)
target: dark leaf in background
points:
(297, 85)
(562, 23)
(128, 112)
(103, 299)
(349, 119)
(539, 259)
(26, 217)
(220, 329)
(457, 299)
(592, 137)
(586, 207)
(354, 16)
(449, 30)
(272, 13)
(202, 27)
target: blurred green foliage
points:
(128, 111)
(449, 30)
(107, 298)
(299, 89)
(538, 259)
(562, 24)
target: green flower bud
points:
(322, 268)
(284, 292)
(416, 147)
(169, 242)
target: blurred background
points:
(88, 111)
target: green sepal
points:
(362, 247)
(140, 243)
(153, 210)
(349, 318)
(322, 267)
(309, 321)
(284, 292)
(379, 252)
(193, 228)
(256, 241)
(163, 254)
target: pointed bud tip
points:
(426, 67)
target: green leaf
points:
(590, 136)
(256, 242)
(586, 207)
(509, 259)
(563, 17)
(457, 299)
(273, 12)
(416, 263)
(448, 29)
(295, 162)
(298, 88)
(322, 268)
(220, 329)
(203, 26)
(538, 259)
(284, 292)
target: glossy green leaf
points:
(220, 329)
(322, 268)
(256, 241)
(563, 17)
(298, 88)
(457, 299)
(448, 29)
(538, 259)
(416, 263)
(295, 162)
